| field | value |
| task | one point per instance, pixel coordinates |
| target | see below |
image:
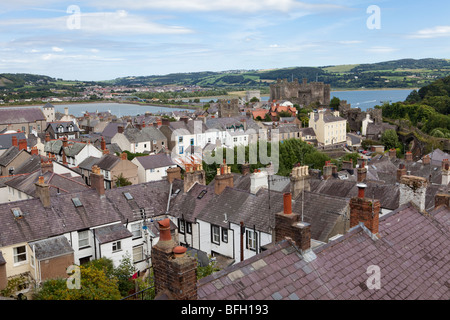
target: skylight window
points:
(128, 196)
(202, 193)
(76, 202)
(17, 212)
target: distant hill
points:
(404, 73)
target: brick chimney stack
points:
(361, 173)
(47, 137)
(103, 146)
(97, 181)
(34, 151)
(173, 173)
(46, 166)
(413, 189)
(258, 179)
(123, 156)
(175, 273)
(401, 171)
(289, 225)
(223, 178)
(120, 129)
(23, 144)
(408, 156)
(300, 180)
(14, 141)
(426, 160)
(392, 153)
(442, 199)
(194, 174)
(364, 210)
(43, 192)
(327, 171)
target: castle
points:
(302, 94)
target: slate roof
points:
(412, 253)
(6, 139)
(50, 248)
(112, 233)
(111, 129)
(155, 161)
(328, 117)
(31, 165)
(57, 182)
(64, 124)
(135, 135)
(9, 155)
(21, 115)
(62, 216)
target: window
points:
(201, 194)
(116, 246)
(128, 196)
(225, 235)
(235, 139)
(20, 254)
(189, 227)
(251, 239)
(181, 226)
(83, 238)
(180, 150)
(215, 234)
(17, 212)
(138, 254)
(76, 202)
(180, 139)
(136, 230)
(192, 142)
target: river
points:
(363, 99)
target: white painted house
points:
(153, 167)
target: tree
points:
(121, 181)
(254, 99)
(95, 285)
(390, 139)
(335, 102)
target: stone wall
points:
(302, 94)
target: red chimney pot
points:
(361, 187)
(287, 202)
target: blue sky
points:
(105, 39)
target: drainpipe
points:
(242, 240)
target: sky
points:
(106, 39)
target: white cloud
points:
(240, 6)
(57, 49)
(119, 22)
(381, 49)
(435, 32)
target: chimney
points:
(47, 137)
(258, 179)
(361, 162)
(14, 141)
(364, 210)
(175, 273)
(65, 143)
(401, 171)
(120, 129)
(195, 175)
(103, 146)
(97, 181)
(288, 225)
(34, 151)
(300, 180)
(245, 168)
(392, 153)
(327, 171)
(23, 144)
(444, 164)
(46, 166)
(173, 173)
(223, 179)
(361, 173)
(442, 199)
(43, 192)
(413, 189)
(163, 122)
(445, 173)
(123, 156)
(426, 160)
(408, 156)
